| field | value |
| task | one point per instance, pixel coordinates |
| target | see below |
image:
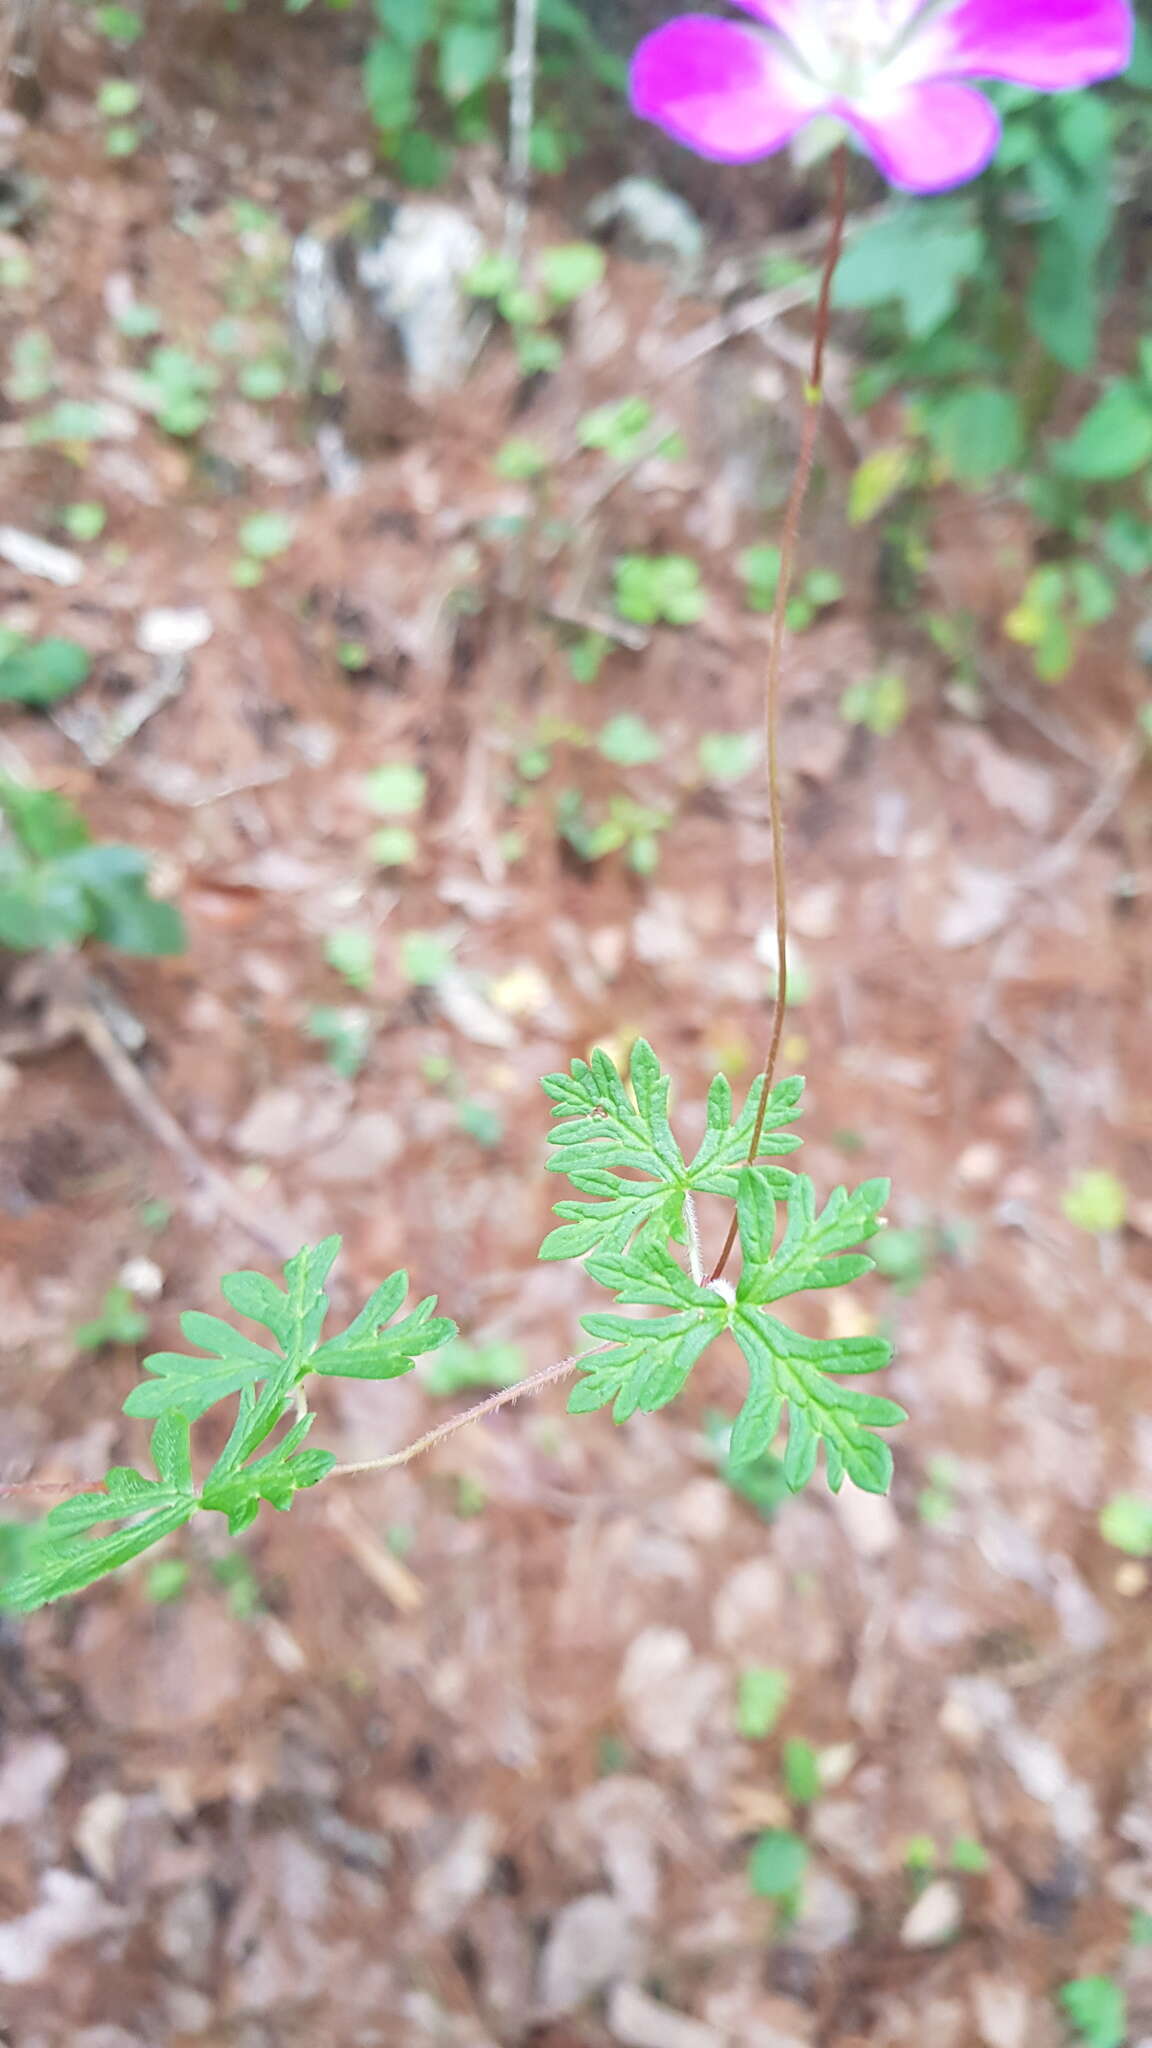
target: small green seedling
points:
(816, 592)
(117, 1321)
(397, 789)
(878, 702)
(761, 1697)
(629, 741)
(1096, 1201)
(425, 958)
(801, 1771)
(346, 1035)
(178, 390)
(262, 537)
(1096, 2010)
(727, 757)
(351, 952)
(622, 825)
(776, 1868)
(1126, 1523)
(521, 460)
(39, 672)
(84, 521)
(58, 887)
(654, 590)
(560, 276)
(118, 102)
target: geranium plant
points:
(893, 76)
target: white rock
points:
(99, 1831)
(31, 1770)
(70, 1908)
(829, 1914)
(142, 1277)
(283, 1122)
(470, 1012)
(748, 1608)
(651, 223)
(35, 557)
(977, 904)
(414, 277)
(869, 1521)
(372, 1141)
(1001, 2009)
(637, 2021)
(667, 1692)
(590, 1945)
(445, 1890)
(937, 1915)
(166, 630)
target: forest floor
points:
(453, 1756)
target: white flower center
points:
(844, 43)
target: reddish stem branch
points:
(813, 414)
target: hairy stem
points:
(503, 1399)
(789, 539)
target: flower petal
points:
(1050, 45)
(722, 90)
(926, 137)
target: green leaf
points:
(389, 82)
(1126, 1523)
(723, 1152)
(777, 1864)
(60, 1557)
(471, 54)
(1115, 438)
(629, 741)
(45, 824)
(811, 1252)
(119, 1321)
(368, 1351)
(787, 1369)
(602, 1128)
(570, 270)
(294, 1316)
(801, 1771)
(762, 1694)
(650, 1363)
(42, 671)
(978, 431)
(921, 254)
(655, 588)
(460, 1367)
(1096, 1201)
(411, 22)
(1097, 2009)
(728, 756)
(266, 534)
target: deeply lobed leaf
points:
(614, 1143)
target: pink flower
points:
(891, 70)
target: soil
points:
(452, 1755)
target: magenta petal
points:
(1051, 45)
(722, 90)
(927, 137)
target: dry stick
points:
(521, 113)
(813, 412)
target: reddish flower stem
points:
(810, 435)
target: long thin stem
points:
(521, 117)
(503, 1399)
(810, 435)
